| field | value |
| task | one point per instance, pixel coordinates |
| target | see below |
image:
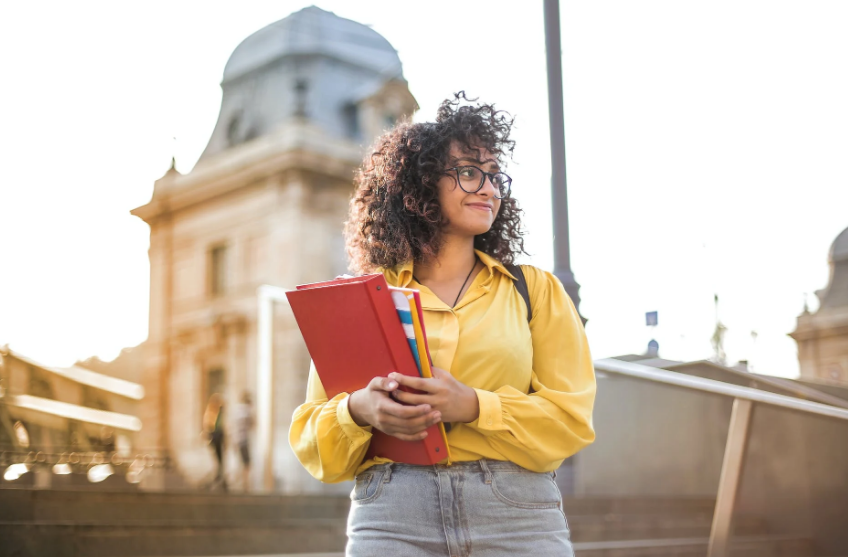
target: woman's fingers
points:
(419, 383)
(440, 373)
(393, 426)
(402, 411)
(383, 384)
(394, 417)
(405, 437)
(405, 420)
(411, 398)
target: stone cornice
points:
(822, 324)
(298, 145)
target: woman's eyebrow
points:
(469, 159)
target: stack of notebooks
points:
(359, 328)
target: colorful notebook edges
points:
(421, 339)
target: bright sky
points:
(706, 146)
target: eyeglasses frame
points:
(489, 175)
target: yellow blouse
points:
(535, 385)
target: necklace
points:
(461, 288)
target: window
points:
(39, 384)
(218, 270)
(234, 130)
(93, 398)
(350, 117)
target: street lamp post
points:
(559, 195)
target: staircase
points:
(643, 527)
(138, 524)
(121, 524)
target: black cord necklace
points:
(461, 288)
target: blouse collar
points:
(401, 275)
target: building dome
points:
(314, 31)
(839, 249)
(835, 294)
(314, 66)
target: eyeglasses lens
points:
(471, 180)
(501, 182)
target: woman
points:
(432, 211)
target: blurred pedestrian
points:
(213, 427)
(244, 424)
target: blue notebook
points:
(405, 314)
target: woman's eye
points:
(467, 172)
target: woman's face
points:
(468, 214)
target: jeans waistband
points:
(485, 465)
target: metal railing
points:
(737, 438)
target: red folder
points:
(353, 333)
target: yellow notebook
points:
(424, 355)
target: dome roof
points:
(311, 67)
(314, 31)
(839, 249)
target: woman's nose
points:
(488, 188)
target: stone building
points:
(302, 99)
(51, 415)
(822, 336)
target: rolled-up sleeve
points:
(539, 429)
(324, 436)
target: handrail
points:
(737, 435)
(658, 375)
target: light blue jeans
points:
(485, 508)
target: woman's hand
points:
(455, 401)
(374, 406)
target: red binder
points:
(353, 333)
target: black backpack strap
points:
(521, 286)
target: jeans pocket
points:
(368, 486)
(526, 490)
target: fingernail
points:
(437, 416)
(392, 384)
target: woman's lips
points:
(480, 206)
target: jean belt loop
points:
(487, 474)
(388, 475)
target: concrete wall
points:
(657, 440)
(796, 475)
(653, 440)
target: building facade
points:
(70, 416)
(265, 204)
(822, 336)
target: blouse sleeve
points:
(554, 421)
(323, 435)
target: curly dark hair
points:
(395, 214)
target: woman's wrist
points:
(472, 404)
(355, 410)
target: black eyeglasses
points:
(471, 180)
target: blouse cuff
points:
(491, 413)
(354, 431)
